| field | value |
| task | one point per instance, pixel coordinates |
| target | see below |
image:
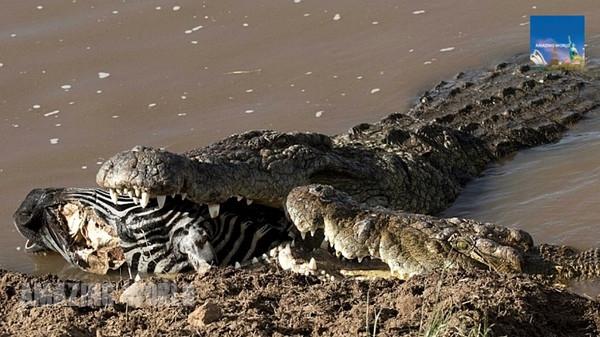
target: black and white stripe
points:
(156, 239)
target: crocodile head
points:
(408, 243)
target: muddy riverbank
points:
(269, 302)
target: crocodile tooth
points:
(125, 191)
(237, 265)
(312, 264)
(313, 232)
(265, 256)
(173, 195)
(273, 252)
(360, 259)
(119, 191)
(136, 200)
(288, 248)
(213, 209)
(183, 196)
(161, 200)
(337, 253)
(239, 198)
(254, 260)
(113, 196)
(303, 235)
(138, 192)
(293, 244)
(248, 202)
(130, 194)
(145, 199)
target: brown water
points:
(81, 80)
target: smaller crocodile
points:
(413, 243)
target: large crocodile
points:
(415, 162)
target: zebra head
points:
(97, 232)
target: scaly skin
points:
(416, 162)
(412, 243)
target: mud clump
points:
(268, 302)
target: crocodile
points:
(413, 244)
(415, 163)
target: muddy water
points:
(552, 191)
(81, 80)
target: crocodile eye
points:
(462, 245)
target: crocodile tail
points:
(571, 264)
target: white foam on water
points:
(176, 8)
(13, 35)
(15, 125)
(40, 7)
(103, 74)
(420, 11)
(98, 91)
(447, 49)
(66, 86)
(1, 64)
(84, 167)
(158, 8)
(194, 42)
(427, 62)
(375, 90)
(319, 113)
(54, 141)
(249, 90)
(151, 105)
(308, 73)
(48, 114)
(375, 22)
(359, 77)
(115, 116)
(306, 14)
(337, 17)
(182, 114)
(58, 125)
(245, 24)
(184, 97)
(297, 1)
(36, 106)
(249, 111)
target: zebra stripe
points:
(153, 238)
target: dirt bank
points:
(269, 302)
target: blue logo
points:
(557, 40)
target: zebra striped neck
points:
(181, 234)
